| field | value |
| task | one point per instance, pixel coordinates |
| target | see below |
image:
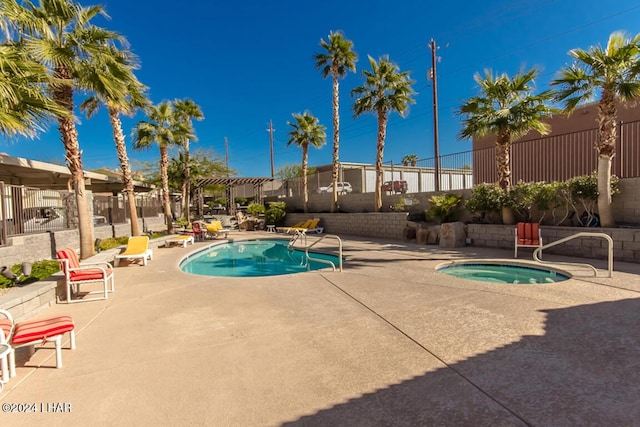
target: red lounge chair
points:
(528, 235)
(198, 232)
(32, 332)
(77, 274)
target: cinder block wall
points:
(626, 242)
(386, 225)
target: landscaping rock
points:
(452, 235)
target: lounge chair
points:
(137, 248)
(183, 239)
(310, 227)
(32, 332)
(528, 235)
(215, 229)
(77, 274)
(297, 226)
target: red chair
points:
(198, 232)
(32, 332)
(528, 235)
(77, 274)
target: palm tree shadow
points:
(584, 370)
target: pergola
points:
(230, 184)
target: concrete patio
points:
(386, 342)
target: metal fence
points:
(25, 210)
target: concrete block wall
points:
(626, 205)
(626, 242)
(385, 225)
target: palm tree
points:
(165, 131)
(614, 72)
(385, 90)
(337, 60)
(58, 34)
(115, 85)
(507, 108)
(306, 130)
(25, 106)
(185, 111)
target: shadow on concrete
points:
(584, 371)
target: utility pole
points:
(271, 130)
(228, 186)
(433, 76)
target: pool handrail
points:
(574, 236)
(307, 247)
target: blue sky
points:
(247, 62)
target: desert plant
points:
(581, 193)
(255, 209)
(443, 207)
(486, 199)
(275, 213)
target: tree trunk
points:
(186, 185)
(382, 133)
(503, 161)
(606, 147)
(336, 140)
(125, 166)
(305, 193)
(63, 95)
(164, 164)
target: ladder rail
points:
(575, 236)
(306, 248)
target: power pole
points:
(228, 186)
(433, 76)
(271, 130)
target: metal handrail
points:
(307, 247)
(574, 236)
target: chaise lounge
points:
(137, 248)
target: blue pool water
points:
(253, 258)
(503, 273)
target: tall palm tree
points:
(163, 130)
(384, 91)
(25, 106)
(337, 59)
(59, 34)
(507, 107)
(115, 85)
(186, 111)
(306, 131)
(614, 72)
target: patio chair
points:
(298, 226)
(137, 248)
(32, 332)
(183, 239)
(310, 227)
(77, 274)
(215, 229)
(197, 230)
(528, 235)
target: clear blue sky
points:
(248, 62)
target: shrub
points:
(275, 213)
(113, 242)
(255, 209)
(486, 199)
(443, 207)
(39, 270)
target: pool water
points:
(253, 258)
(503, 273)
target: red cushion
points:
(70, 255)
(89, 274)
(38, 330)
(5, 326)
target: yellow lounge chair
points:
(137, 248)
(298, 226)
(310, 227)
(215, 229)
(183, 239)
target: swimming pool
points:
(503, 272)
(253, 258)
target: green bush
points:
(39, 270)
(275, 213)
(255, 209)
(443, 207)
(486, 199)
(113, 242)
